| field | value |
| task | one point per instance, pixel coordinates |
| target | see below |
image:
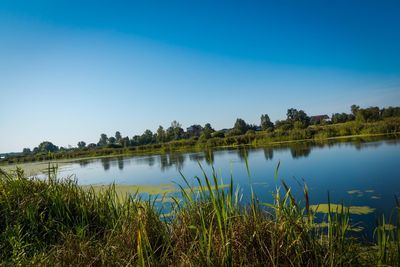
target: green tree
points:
(298, 115)
(26, 151)
(146, 138)
(341, 117)
(266, 122)
(118, 136)
(135, 141)
(161, 136)
(103, 140)
(47, 146)
(112, 140)
(283, 125)
(207, 131)
(368, 114)
(92, 145)
(125, 141)
(194, 130)
(240, 126)
(175, 131)
(390, 112)
(81, 144)
(354, 109)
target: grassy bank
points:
(318, 133)
(56, 222)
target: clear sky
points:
(71, 70)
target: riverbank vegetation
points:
(297, 126)
(56, 222)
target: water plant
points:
(57, 222)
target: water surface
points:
(359, 174)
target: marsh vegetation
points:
(57, 222)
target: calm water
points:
(358, 173)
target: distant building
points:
(318, 119)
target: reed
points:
(57, 222)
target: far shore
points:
(37, 167)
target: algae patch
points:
(358, 210)
(159, 189)
(155, 190)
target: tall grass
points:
(56, 222)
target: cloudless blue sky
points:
(71, 70)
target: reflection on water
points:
(167, 161)
(357, 172)
(268, 153)
(84, 163)
(106, 163)
(177, 160)
(300, 150)
(120, 163)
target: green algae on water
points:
(358, 210)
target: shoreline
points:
(36, 169)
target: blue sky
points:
(71, 70)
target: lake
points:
(362, 174)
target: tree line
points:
(295, 119)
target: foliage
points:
(103, 140)
(47, 146)
(266, 122)
(81, 144)
(297, 126)
(56, 222)
(341, 117)
(294, 115)
(240, 126)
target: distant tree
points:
(161, 136)
(125, 141)
(118, 136)
(135, 141)
(368, 114)
(341, 117)
(103, 140)
(298, 115)
(112, 140)
(354, 109)
(91, 145)
(207, 131)
(26, 150)
(81, 144)
(240, 126)
(146, 138)
(390, 112)
(194, 130)
(283, 125)
(208, 127)
(175, 131)
(47, 146)
(291, 114)
(220, 134)
(266, 122)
